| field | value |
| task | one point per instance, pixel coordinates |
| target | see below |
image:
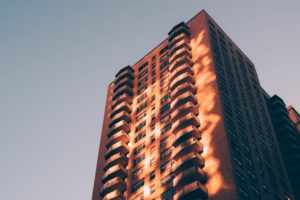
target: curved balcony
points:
(179, 53)
(120, 126)
(114, 195)
(182, 89)
(184, 59)
(115, 171)
(184, 109)
(182, 99)
(177, 30)
(194, 190)
(119, 136)
(122, 98)
(188, 176)
(126, 81)
(187, 146)
(119, 117)
(179, 45)
(186, 161)
(187, 132)
(123, 73)
(180, 70)
(178, 38)
(118, 158)
(189, 119)
(124, 106)
(183, 78)
(118, 147)
(125, 89)
(114, 184)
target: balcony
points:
(183, 78)
(184, 109)
(118, 147)
(182, 89)
(194, 190)
(119, 136)
(186, 161)
(114, 184)
(123, 73)
(125, 89)
(178, 38)
(115, 195)
(189, 175)
(187, 146)
(178, 46)
(177, 30)
(124, 106)
(180, 70)
(184, 59)
(179, 53)
(187, 132)
(119, 117)
(120, 126)
(182, 99)
(189, 119)
(126, 81)
(115, 171)
(120, 99)
(118, 158)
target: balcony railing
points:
(189, 119)
(182, 89)
(179, 45)
(115, 171)
(122, 98)
(115, 159)
(180, 52)
(125, 89)
(124, 106)
(119, 136)
(186, 161)
(177, 30)
(126, 81)
(114, 184)
(189, 175)
(183, 78)
(184, 59)
(187, 132)
(192, 191)
(180, 70)
(114, 195)
(184, 109)
(120, 126)
(187, 146)
(119, 117)
(119, 147)
(179, 38)
(182, 99)
(123, 74)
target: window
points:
(152, 175)
(152, 138)
(165, 153)
(165, 118)
(152, 98)
(163, 81)
(143, 73)
(153, 65)
(140, 126)
(164, 141)
(138, 159)
(137, 172)
(141, 82)
(152, 188)
(143, 66)
(152, 162)
(153, 107)
(164, 89)
(164, 72)
(140, 116)
(140, 136)
(167, 194)
(163, 50)
(163, 65)
(140, 196)
(163, 57)
(153, 73)
(139, 148)
(165, 98)
(153, 117)
(153, 58)
(167, 179)
(142, 89)
(137, 185)
(166, 128)
(153, 80)
(142, 106)
(142, 98)
(153, 89)
(152, 150)
(165, 108)
(152, 127)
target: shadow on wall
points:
(216, 155)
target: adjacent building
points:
(189, 121)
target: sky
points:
(57, 58)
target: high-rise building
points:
(189, 121)
(284, 122)
(295, 117)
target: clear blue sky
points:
(57, 58)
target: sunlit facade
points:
(189, 121)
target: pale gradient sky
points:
(57, 58)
